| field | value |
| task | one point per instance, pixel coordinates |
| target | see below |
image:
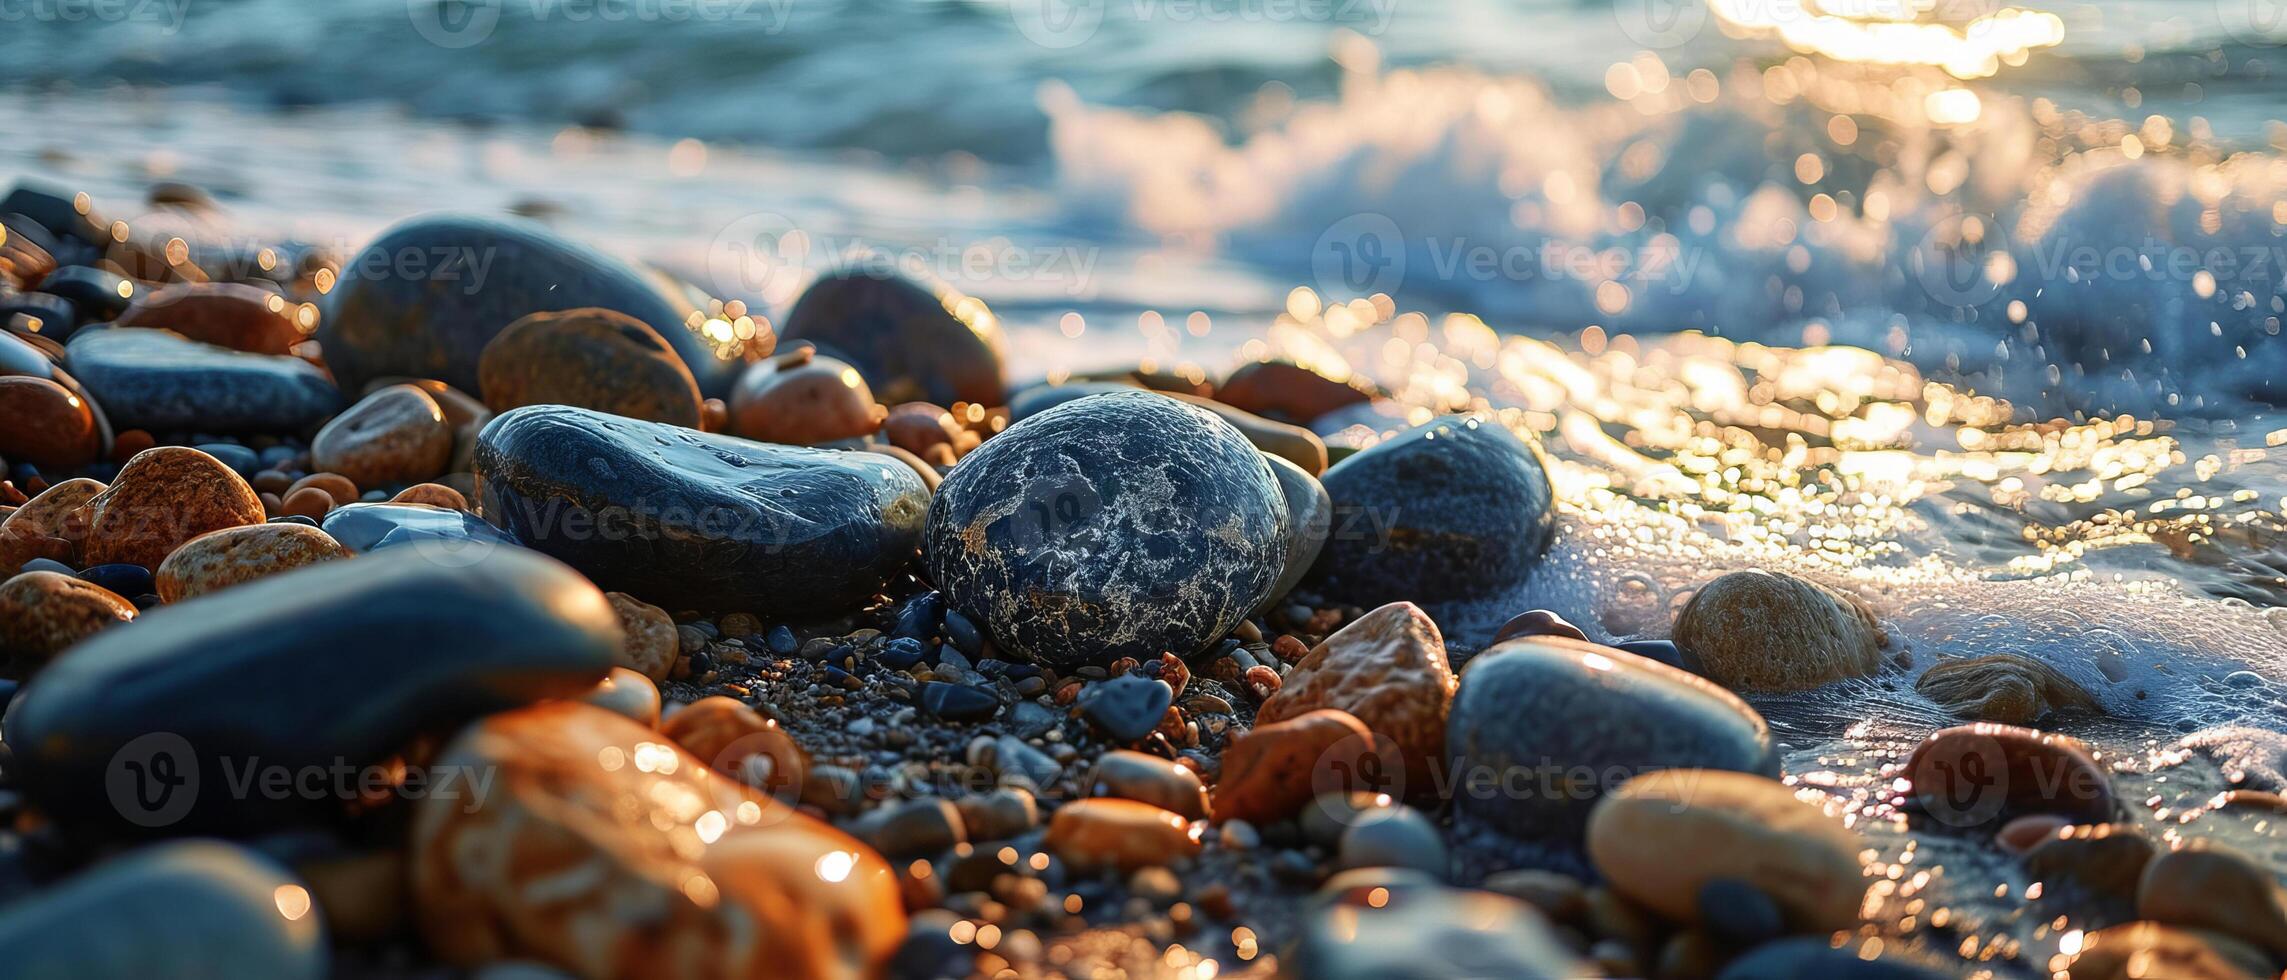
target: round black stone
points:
(958, 702)
(1128, 707)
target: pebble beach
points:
(542, 548)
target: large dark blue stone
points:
(1543, 711)
(425, 298)
(689, 520)
(1118, 525)
(58, 318)
(901, 338)
(189, 903)
(364, 527)
(1455, 509)
(334, 664)
(62, 212)
(99, 296)
(156, 379)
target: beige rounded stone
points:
(395, 435)
(2004, 687)
(162, 498)
(1120, 834)
(2209, 886)
(1131, 775)
(628, 694)
(651, 641)
(1662, 836)
(42, 613)
(1771, 631)
(218, 560)
(1387, 669)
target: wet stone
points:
(902, 337)
(2099, 862)
(1119, 834)
(740, 743)
(1385, 922)
(1771, 631)
(1126, 708)
(689, 519)
(1973, 774)
(162, 498)
(97, 295)
(1148, 778)
(1310, 517)
(2212, 887)
(367, 527)
(2005, 688)
(220, 559)
(915, 828)
(152, 379)
(194, 902)
(651, 643)
(958, 702)
(225, 314)
(1388, 670)
(395, 435)
(1394, 837)
(1661, 838)
(597, 359)
(43, 613)
(2153, 951)
(1276, 767)
(802, 399)
(47, 424)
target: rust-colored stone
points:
(226, 314)
(51, 525)
(1389, 670)
(651, 640)
(591, 358)
(433, 494)
(310, 502)
(220, 559)
(42, 613)
(1121, 834)
(1131, 775)
(1279, 390)
(740, 743)
(1972, 774)
(46, 424)
(335, 486)
(928, 431)
(803, 399)
(395, 435)
(1271, 772)
(162, 498)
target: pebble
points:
(1120, 525)
(911, 344)
(162, 498)
(2204, 885)
(1001, 814)
(1126, 708)
(2153, 951)
(740, 743)
(395, 435)
(220, 559)
(1386, 668)
(1771, 631)
(2028, 832)
(448, 534)
(958, 702)
(2005, 688)
(1394, 837)
(432, 494)
(731, 882)
(1739, 915)
(962, 633)
(190, 902)
(1397, 922)
(900, 653)
(43, 613)
(241, 460)
(2094, 861)
(122, 578)
(915, 828)
(593, 358)
(1132, 775)
(1453, 509)
(1273, 769)
(510, 628)
(47, 424)
(1120, 834)
(1014, 758)
(52, 525)
(1538, 622)
(1310, 518)
(628, 694)
(803, 399)
(651, 642)
(1662, 837)
(1971, 774)
(1813, 958)
(156, 380)
(1543, 707)
(928, 431)
(675, 515)
(484, 274)
(1281, 390)
(98, 295)
(1324, 819)
(225, 314)
(338, 489)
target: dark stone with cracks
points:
(1118, 525)
(425, 298)
(900, 337)
(1458, 508)
(687, 520)
(158, 380)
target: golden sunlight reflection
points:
(1881, 33)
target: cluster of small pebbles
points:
(556, 626)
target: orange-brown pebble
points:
(925, 430)
(395, 435)
(126, 445)
(274, 482)
(226, 314)
(433, 494)
(740, 743)
(590, 815)
(162, 498)
(1276, 389)
(41, 613)
(1270, 772)
(597, 359)
(220, 559)
(628, 694)
(1122, 834)
(51, 525)
(46, 424)
(310, 502)
(651, 642)
(803, 399)
(1388, 668)
(714, 415)
(335, 486)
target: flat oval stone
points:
(1132, 775)
(395, 435)
(225, 314)
(1972, 774)
(425, 298)
(1280, 390)
(693, 520)
(729, 882)
(1119, 525)
(234, 681)
(56, 520)
(364, 527)
(191, 902)
(162, 498)
(1399, 922)
(1771, 631)
(153, 379)
(43, 613)
(1550, 707)
(1121, 834)
(218, 560)
(1662, 837)
(591, 358)
(47, 424)
(2208, 886)
(99, 295)
(802, 399)
(912, 345)
(2005, 687)
(1458, 508)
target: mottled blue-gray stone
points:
(188, 910)
(689, 520)
(160, 380)
(1118, 525)
(1458, 508)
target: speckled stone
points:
(597, 359)
(1121, 525)
(364, 527)
(2152, 951)
(740, 743)
(693, 520)
(2205, 885)
(395, 435)
(1553, 708)
(162, 498)
(1275, 767)
(157, 380)
(225, 314)
(192, 902)
(1398, 922)
(1972, 774)
(651, 642)
(54, 521)
(46, 424)
(42, 613)
(1387, 669)
(1132, 775)
(1457, 508)
(549, 864)
(903, 338)
(220, 559)
(475, 276)
(2005, 687)
(353, 658)
(802, 399)
(1120, 834)
(1771, 631)
(1662, 837)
